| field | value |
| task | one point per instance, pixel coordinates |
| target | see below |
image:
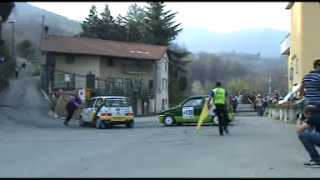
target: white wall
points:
(162, 87)
(82, 65)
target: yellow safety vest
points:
(219, 96)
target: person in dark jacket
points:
(308, 128)
(71, 107)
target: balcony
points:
(140, 91)
(134, 68)
(285, 45)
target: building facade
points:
(138, 71)
(301, 45)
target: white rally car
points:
(105, 111)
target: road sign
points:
(67, 77)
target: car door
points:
(96, 107)
(191, 109)
(86, 114)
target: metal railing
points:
(285, 44)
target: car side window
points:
(90, 104)
(197, 102)
(99, 102)
(193, 103)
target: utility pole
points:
(270, 85)
(12, 40)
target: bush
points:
(53, 103)
(36, 71)
(272, 106)
(6, 68)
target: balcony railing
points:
(285, 45)
(136, 92)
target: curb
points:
(44, 94)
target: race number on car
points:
(187, 112)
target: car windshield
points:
(117, 102)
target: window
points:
(110, 62)
(62, 83)
(60, 80)
(99, 102)
(164, 84)
(150, 84)
(72, 82)
(291, 73)
(297, 65)
(128, 83)
(166, 66)
(110, 84)
(119, 83)
(117, 102)
(70, 59)
(141, 83)
(136, 83)
(193, 102)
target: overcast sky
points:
(215, 16)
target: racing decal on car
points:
(187, 112)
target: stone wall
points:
(288, 115)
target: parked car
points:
(188, 112)
(105, 111)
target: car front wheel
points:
(168, 120)
(81, 122)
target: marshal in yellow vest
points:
(219, 96)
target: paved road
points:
(36, 145)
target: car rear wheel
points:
(130, 124)
(168, 120)
(100, 124)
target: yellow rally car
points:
(105, 111)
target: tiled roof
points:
(91, 46)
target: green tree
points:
(106, 27)
(183, 83)
(161, 29)
(135, 23)
(236, 85)
(25, 49)
(174, 96)
(91, 25)
(177, 60)
(106, 24)
(5, 11)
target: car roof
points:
(120, 97)
(198, 96)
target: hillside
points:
(265, 41)
(29, 22)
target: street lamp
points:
(12, 40)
